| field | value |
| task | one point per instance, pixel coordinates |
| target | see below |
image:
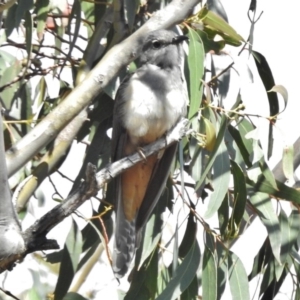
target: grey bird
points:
(148, 103)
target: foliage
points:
(221, 162)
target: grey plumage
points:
(148, 104)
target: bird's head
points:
(162, 48)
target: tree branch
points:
(50, 160)
(116, 58)
(35, 236)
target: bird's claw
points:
(141, 152)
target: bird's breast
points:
(148, 113)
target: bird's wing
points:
(156, 185)
(124, 247)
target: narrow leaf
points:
(261, 259)
(282, 192)
(283, 92)
(223, 214)
(266, 76)
(191, 293)
(209, 276)
(240, 193)
(268, 217)
(42, 8)
(220, 137)
(210, 133)
(184, 274)
(217, 23)
(152, 231)
(196, 71)
(238, 280)
(189, 236)
(23, 7)
(69, 262)
(288, 163)
(221, 171)
(268, 276)
(285, 236)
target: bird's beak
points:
(179, 39)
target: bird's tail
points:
(125, 244)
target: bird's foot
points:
(141, 152)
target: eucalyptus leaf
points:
(196, 71)
(238, 280)
(69, 262)
(268, 217)
(183, 276)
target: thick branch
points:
(50, 160)
(116, 58)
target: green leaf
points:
(209, 275)
(268, 217)
(261, 259)
(23, 98)
(282, 192)
(153, 230)
(28, 25)
(267, 173)
(196, 71)
(244, 128)
(222, 269)
(210, 44)
(88, 255)
(131, 7)
(42, 9)
(288, 162)
(33, 294)
(75, 15)
(210, 133)
(274, 287)
(10, 20)
(217, 7)
(183, 275)
(238, 280)
(268, 276)
(69, 262)
(285, 236)
(220, 26)
(144, 280)
(236, 135)
(23, 7)
(266, 76)
(163, 279)
(240, 194)
(189, 236)
(220, 137)
(197, 153)
(223, 216)
(191, 293)
(283, 92)
(220, 182)
(290, 231)
(5, 59)
(279, 268)
(9, 74)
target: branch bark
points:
(49, 161)
(116, 58)
(11, 239)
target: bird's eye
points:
(156, 44)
